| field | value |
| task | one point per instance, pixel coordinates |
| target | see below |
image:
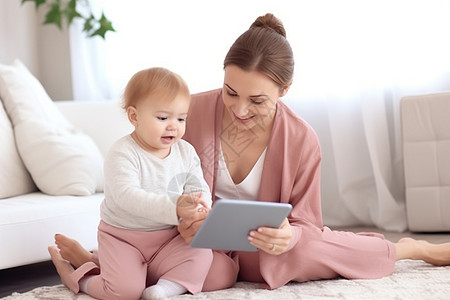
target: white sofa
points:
(28, 222)
(51, 166)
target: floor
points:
(22, 279)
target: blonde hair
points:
(159, 83)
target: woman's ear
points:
(132, 115)
(285, 89)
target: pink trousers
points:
(132, 260)
(320, 254)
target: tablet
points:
(228, 223)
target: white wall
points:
(43, 49)
(18, 35)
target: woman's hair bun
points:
(271, 22)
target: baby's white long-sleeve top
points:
(141, 190)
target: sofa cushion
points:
(14, 177)
(29, 222)
(61, 159)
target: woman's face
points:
(250, 98)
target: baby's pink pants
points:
(132, 260)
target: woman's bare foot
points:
(406, 240)
(72, 251)
(63, 267)
(435, 254)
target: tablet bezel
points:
(228, 223)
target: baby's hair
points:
(158, 83)
(265, 49)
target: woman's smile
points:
(245, 119)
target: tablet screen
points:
(228, 223)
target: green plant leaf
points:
(53, 16)
(36, 2)
(88, 24)
(71, 11)
(57, 10)
(105, 26)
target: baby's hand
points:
(189, 206)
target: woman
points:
(252, 146)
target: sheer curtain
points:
(88, 65)
(354, 62)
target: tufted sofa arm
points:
(426, 150)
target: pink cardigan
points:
(291, 172)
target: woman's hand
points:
(272, 240)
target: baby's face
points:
(160, 123)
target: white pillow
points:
(14, 177)
(61, 159)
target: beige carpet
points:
(411, 280)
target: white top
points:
(245, 190)
(141, 190)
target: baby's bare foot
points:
(72, 251)
(63, 267)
